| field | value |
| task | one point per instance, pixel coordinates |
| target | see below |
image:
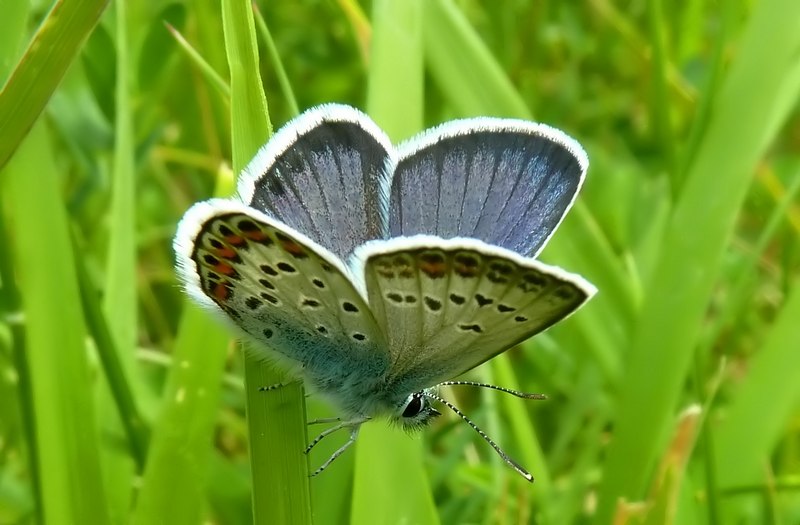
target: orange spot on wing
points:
(466, 271)
(433, 269)
(255, 235)
(235, 240)
(226, 253)
(224, 268)
(221, 292)
(293, 248)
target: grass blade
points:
(659, 102)
(276, 419)
(463, 67)
(124, 398)
(180, 452)
(66, 434)
(120, 301)
(277, 63)
(52, 49)
(395, 62)
(761, 398)
(208, 72)
(742, 125)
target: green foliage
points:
(672, 397)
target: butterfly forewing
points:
(506, 182)
(281, 288)
(323, 174)
(447, 306)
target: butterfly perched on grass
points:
(383, 272)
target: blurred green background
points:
(673, 396)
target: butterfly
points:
(381, 272)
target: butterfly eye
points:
(416, 412)
(414, 405)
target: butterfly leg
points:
(272, 387)
(276, 386)
(324, 420)
(353, 435)
(354, 423)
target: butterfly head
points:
(415, 412)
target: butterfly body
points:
(380, 273)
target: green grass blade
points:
(277, 63)
(388, 461)
(181, 452)
(16, 400)
(744, 275)
(120, 301)
(360, 26)
(125, 399)
(276, 419)
(763, 406)
(742, 125)
(730, 12)
(659, 101)
(250, 122)
(463, 68)
(17, 392)
(209, 73)
(52, 49)
(66, 433)
(396, 63)
(175, 479)
(15, 21)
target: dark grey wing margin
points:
(506, 182)
(324, 174)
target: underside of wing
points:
(506, 182)
(279, 287)
(447, 306)
(324, 174)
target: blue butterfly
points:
(381, 273)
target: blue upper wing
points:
(323, 174)
(506, 182)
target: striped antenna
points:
(510, 462)
(516, 393)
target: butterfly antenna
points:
(510, 462)
(516, 393)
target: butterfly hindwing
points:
(324, 174)
(506, 182)
(277, 285)
(447, 306)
